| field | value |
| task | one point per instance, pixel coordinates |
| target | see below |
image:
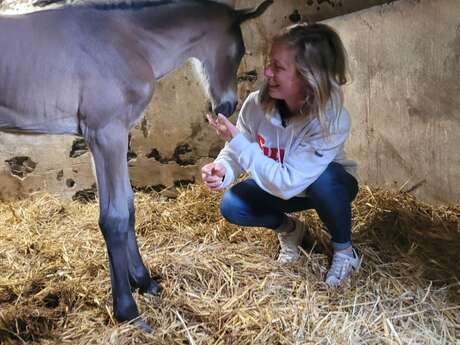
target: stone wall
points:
(173, 141)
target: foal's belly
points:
(12, 121)
(39, 86)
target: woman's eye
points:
(275, 66)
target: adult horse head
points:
(90, 70)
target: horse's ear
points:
(44, 3)
(249, 13)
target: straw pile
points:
(221, 282)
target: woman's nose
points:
(268, 72)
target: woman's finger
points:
(215, 185)
(218, 171)
(212, 179)
(211, 119)
(230, 127)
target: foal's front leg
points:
(109, 146)
(139, 276)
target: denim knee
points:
(240, 206)
(229, 206)
(332, 181)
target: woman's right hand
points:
(213, 175)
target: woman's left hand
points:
(224, 128)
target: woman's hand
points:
(224, 128)
(213, 175)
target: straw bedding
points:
(221, 282)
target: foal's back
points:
(47, 59)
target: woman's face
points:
(283, 80)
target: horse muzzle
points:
(226, 108)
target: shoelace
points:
(339, 266)
(287, 251)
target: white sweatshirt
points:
(283, 161)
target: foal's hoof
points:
(141, 325)
(153, 288)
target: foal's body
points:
(90, 71)
(66, 61)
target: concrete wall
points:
(405, 96)
(401, 99)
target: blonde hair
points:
(321, 61)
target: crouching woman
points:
(290, 138)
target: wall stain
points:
(131, 154)
(21, 166)
(79, 148)
(87, 195)
(295, 16)
(182, 155)
(250, 76)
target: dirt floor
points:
(221, 282)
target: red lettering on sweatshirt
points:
(271, 152)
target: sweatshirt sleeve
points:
(301, 166)
(227, 156)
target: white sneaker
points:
(290, 241)
(342, 266)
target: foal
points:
(90, 70)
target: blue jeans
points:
(330, 195)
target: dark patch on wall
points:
(183, 183)
(155, 154)
(79, 147)
(182, 155)
(250, 76)
(295, 16)
(70, 183)
(60, 175)
(21, 166)
(86, 195)
(131, 154)
(145, 127)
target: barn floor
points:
(221, 282)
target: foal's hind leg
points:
(139, 276)
(109, 147)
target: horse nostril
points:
(226, 109)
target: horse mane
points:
(126, 5)
(140, 4)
